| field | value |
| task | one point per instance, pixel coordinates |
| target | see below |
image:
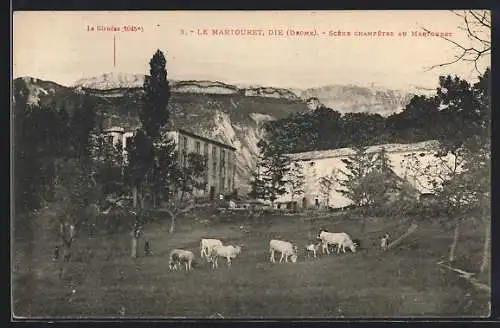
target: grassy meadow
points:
(402, 282)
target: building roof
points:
(120, 129)
(115, 129)
(218, 143)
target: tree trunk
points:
(172, 223)
(133, 250)
(64, 259)
(67, 252)
(134, 196)
(134, 235)
(456, 234)
(486, 248)
(396, 242)
(142, 198)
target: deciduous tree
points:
(296, 180)
(327, 184)
(275, 167)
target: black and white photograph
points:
(251, 164)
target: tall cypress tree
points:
(154, 114)
(147, 147)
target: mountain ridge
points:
(344, 98)
(375, 98)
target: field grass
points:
(403, 282)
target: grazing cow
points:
(206, 246)
(286, 249)
(178, 256)
(340, 239)
(228, 252)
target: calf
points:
(384, 242)
(313, 248)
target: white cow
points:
(340, 239)
(178, 256)
(286, 249)
(228, 252)
(206, 246)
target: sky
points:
(57, 46)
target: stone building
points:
(317, 164)
(221, 158)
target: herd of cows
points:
(213, 249)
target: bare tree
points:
(439, 175)
(476, 25)
(74, 189)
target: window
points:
(214, 153)
(127, 142)
(119, 144)
(205, 150)
(205, 155)
(185, 142)
(181, 156)
(198, 147)
(185, 158)
(222, 161)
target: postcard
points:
(251, 164)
